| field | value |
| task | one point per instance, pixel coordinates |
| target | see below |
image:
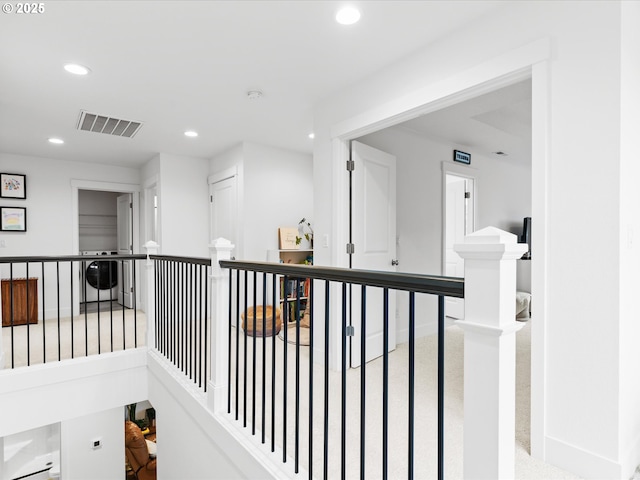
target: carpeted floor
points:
(114, 329)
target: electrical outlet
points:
(97, 443)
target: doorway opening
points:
(419, 256)
(458, 221)
(105, 225)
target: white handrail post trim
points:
(220, 249)
(489, 328)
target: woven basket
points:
(268, 330)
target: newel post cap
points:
(491, 243)
(221, 244)
(151, 247)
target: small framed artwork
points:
(13, 219)
(13, 185)
(288, 238)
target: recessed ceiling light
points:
(312, 136)
(254, 94)
(76, 69)
(56, 141)
(348, 15)
(191, 133)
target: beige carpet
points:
(425, 418)
(85, 337)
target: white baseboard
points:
(587, 465)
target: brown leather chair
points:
(137, 452)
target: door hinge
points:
(130, 204)
(211, 198)
(351, 249)
(467, 194)
(351, 165)
(131, 289)
(350, 331)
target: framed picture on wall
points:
(13, 219)
(13, 185)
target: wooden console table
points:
(20, 303)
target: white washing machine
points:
(99, 276)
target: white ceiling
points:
(499, 121)
(178, 65)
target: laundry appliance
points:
(99, 278)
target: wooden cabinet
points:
(20, 303)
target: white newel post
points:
(151, 248)
(217, 389)
(489, 328)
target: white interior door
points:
(224, 209)
(458, 223)
(125, 246)
(374, 238)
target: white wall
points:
(503, 198)
(630, 229)
(79, 460)
(31, 451)
(278, 192)
(191, 441)
(50, 221)
(183, 207)
(275, 189)
(576, 400)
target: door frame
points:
(531, 61)
(469, 173)
(134, 190)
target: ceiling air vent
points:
(93, 122)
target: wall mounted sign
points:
(461, 157)
(13, 185)
(13, 219)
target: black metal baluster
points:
(207, 345)
(273, 363)
(72, 322)
(343, 381)
(440, 387)
(237, 343)
(11, 309)
(264, 350)
(326, 382)
(385, 385)
(254, 363)
(191, 324)
(199, 335)
(363, 376)
(98, 303)
(297, 412)
(134, 293)
(285, 321)
(70, 276)
(44, 326)
(124, 322)
(58, 300)
(310, 300)
(246, 320)
(28, 312)
(110, 302)
(229, 352)
(412, 374)
(158, 312)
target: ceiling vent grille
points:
(93, 122)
